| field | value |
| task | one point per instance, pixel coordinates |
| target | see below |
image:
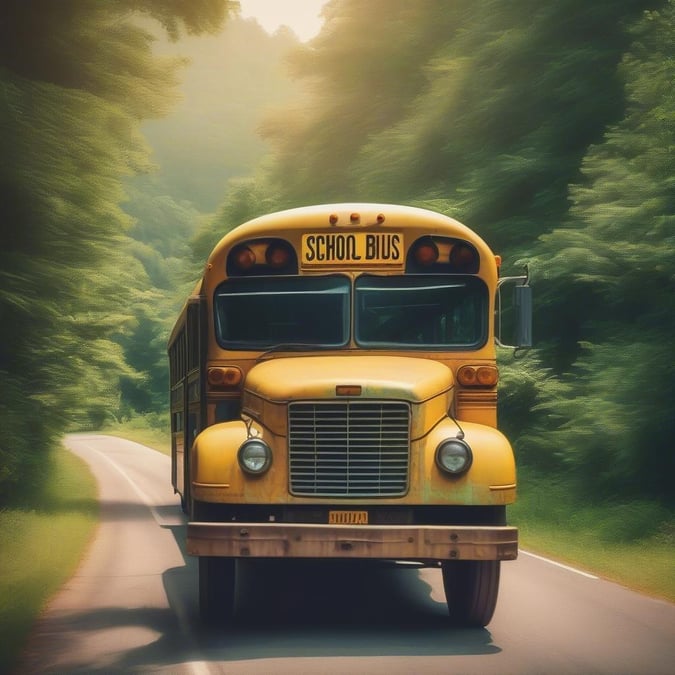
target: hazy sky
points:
(302, 16)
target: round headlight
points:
(254, 456)
(454, 456)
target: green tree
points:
(206, 140)
(362, 72)
(481, 109)
(76, 79)
(618, 254)
(246, 199)
(159, 248)
(210, 136)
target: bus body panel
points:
(490, 481)
(316, 376)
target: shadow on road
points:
(285, 610)
(150, 635)
(300, 608)
(307, 608)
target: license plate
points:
(348, 517)
(352, 248)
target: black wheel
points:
(471, 589)
(217, 580)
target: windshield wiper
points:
(295, 347)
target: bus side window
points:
(192, 427)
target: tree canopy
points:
(77, 77)
(547, 127)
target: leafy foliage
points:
(489, 106)
(207, 140)
(548, 127)
(210, 136)
(619, 254)
(76, 79)
(246, 199)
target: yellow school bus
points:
(334, 396)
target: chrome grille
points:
(349, 448)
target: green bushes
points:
(43, 536)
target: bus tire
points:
(471, 589)
(217, 581)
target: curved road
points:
(132, 606)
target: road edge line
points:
(558, 564)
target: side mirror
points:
(522, 304)
(514, 317)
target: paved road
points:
(132, 606)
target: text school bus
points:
(334, 395)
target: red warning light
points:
(277, 256)
(244, 258)
(462, 256)
(426, 253)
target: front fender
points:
(214, 471)
(491, 480)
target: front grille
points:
(349, 448)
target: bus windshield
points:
(439, 312)
(406, 312)
(264, 312)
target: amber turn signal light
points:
(478, 376)
(348, 390)
(224, 377)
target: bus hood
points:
(379, 377)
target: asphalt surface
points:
(132, 606)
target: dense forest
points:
(547, 127)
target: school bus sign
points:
(352, 248)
